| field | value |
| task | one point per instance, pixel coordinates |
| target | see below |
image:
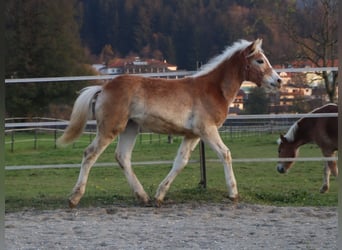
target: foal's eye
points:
(260, 61)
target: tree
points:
(42, 40)
(316, 36)
(257, 102)
(107, 54)
(185, 32)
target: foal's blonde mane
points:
(227, 53)
(290, 135)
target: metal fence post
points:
(203, 181)
(35, 139)
(12, 141)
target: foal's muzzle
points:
(277, 83)
(281, 169)
(273, 82)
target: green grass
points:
(258, 183)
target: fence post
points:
(170, 139)
(35, 139)
(203, 181)
(12, 141)
(55, 137)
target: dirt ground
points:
(182, 226)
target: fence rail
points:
(174, 74)
(242, 125)
(268, 117)
(233, 125)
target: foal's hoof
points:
(324, 189)
(143, 198)
(146, 203)
(235, 199)
(72, 204)
(158, 203)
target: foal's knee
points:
(117, 158)
(121, 159)
(88, 151)
(226, 154)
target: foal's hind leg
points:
(326, 178)
(123, 156)
(92, 152)
(330, 167)
(182, 158)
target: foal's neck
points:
(232, 78)
(226, 77)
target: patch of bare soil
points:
(182, 226)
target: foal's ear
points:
(258, 43)
(255, 46)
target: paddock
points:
(234, 129)
(196, 225)
(175, 226)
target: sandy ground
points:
(185, 226)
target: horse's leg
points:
(123, 156)
(92, 152)
(333, 166)
(326, 178)
(330, 167)
(213, 139)
(182, 158)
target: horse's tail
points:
(80, 114)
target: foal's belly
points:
(164, 125)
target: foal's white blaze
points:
(272, 81)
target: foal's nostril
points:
(279, 80)
(280, 169)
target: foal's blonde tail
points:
(79, 116)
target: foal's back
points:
(323, 130)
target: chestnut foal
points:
(194, 107)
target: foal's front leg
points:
(182, 158)
(213, 139)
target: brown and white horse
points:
(322, 131)
(194, 107)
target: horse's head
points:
(286, 149)
(258, 69)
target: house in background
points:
(237, 105)
(134, 65)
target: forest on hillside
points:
(181, 32)
(61, 38)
